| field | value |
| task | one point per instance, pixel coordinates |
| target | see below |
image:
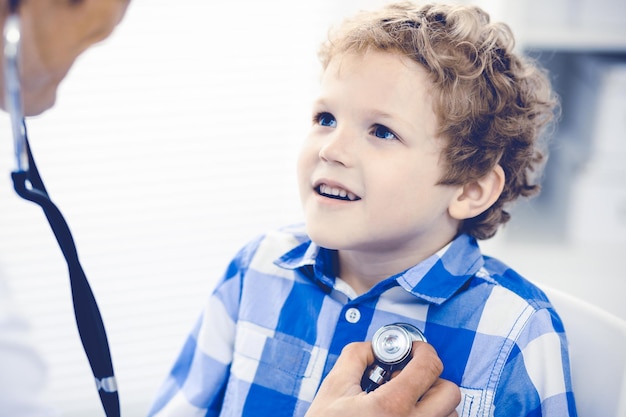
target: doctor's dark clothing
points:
(278, 320)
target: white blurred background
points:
(174, 143)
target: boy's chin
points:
(328, 239)
(336, 238)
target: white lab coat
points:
(22, 370)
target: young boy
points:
(426, 126)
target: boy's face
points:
(368, 170)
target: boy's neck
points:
(363, 270)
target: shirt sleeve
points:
(536, 379)
(197, 381)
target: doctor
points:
(53, 34)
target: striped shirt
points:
(276, 323)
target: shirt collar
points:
(434, 280)
(313, 261)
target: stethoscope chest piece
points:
(392, 345)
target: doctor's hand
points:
(416, 391)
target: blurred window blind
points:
(171, 145)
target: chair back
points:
(597, 348)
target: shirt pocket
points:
(471, 404)
(269, 359)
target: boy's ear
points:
(477, 196)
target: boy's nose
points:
(338, 148)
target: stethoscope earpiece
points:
(12, 89)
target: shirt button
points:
(353, 315)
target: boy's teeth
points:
(337, 192)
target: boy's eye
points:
(325, 119)
(382, 132)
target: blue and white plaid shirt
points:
(277, 322)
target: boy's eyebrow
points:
(371, 113)
(413, 125)
(320, 102)
(381, 114)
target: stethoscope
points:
(28, 185)
(392, 345)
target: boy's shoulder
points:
(512, 282)
(506, 302)
(273, 244)
(283, 239)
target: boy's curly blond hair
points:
(492, 105)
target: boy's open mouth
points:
(336, 193)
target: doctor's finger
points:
(441, 400)
(416, 378)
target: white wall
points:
(171, 145)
